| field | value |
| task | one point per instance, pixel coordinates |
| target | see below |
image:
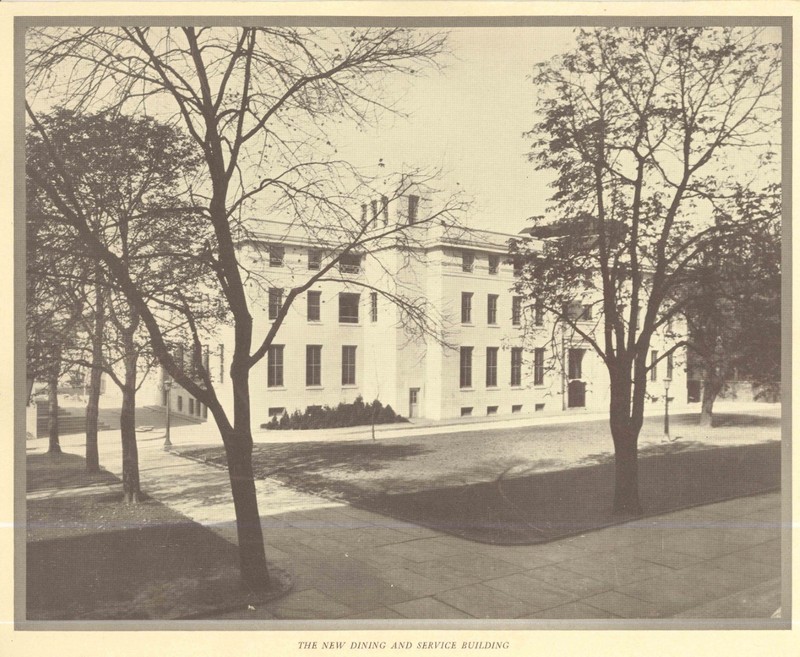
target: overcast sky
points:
(469, 120)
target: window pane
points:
(275, 366)
(276, 256)
(348, 307)
(466, 367)
(275, 302)
(313, 306)
(350, 263)
(516, 366)
(538, 367)
(313, 365)
(516, 310)
(493, 263)
(576, 363)
(467, 261)
(373, 300)
(491, 367)
(466, 307)
(313, 259)
(654, 371)
(492, 309)
(348, 366)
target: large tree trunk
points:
(52, 428)
(127, 425)
(93, 404)
(712, 386)
(625, 422)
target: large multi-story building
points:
(356, 331)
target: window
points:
(191, 406)
(385, 210)
(313, 299)
(313, 365)
(491, 310)
(669, 366)
(538, 408)
(350, 263)
(374, 205)
(275, 366)
(586, 315)
(467, 261)
(205, 412)
(516, 408)
(516, 310)
(276, 254)
(373, 306)
(653, 366)
(575, 364)
(348, 366)
(314, 259)
(491, 410)
(413, 207)
(494, 262)
(491, 367)
(538, 366)
(516, 366)
(466, 367)
(466, 307)
(517, 262)
(198, 409)
(348, 307)
(466, 411)
(538, 314)
(276, 411)
(572, 310)
(275, 302)
(180, 403)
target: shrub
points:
(344, 415)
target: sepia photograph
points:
(390, 320)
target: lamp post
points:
(667, 381)
(167, 388)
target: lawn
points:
(91, 557)
(531, 484)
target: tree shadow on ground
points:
(62, 471)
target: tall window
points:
(313, 365)
(491, 367)
(385, 210)
(467, 261)
(373, 306)
(466, 367)
(413, 207)
(516, 310)
(653, 366)
(491, 310)
(276, 254)
(575, 364)
(494, 263)
(516, 366)
(538, 366)
(350, 263)
(669, 366)
(348, 308)
(314, 259)
(348, 365)
(275, 302)
(275, 366)
(313, 312)
(466, 307)
(538, 314)
(586, 315)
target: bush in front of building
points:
(344, 415)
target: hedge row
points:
(344, 415)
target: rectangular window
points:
(350, 263)
(575, 364)
(466, 411)
(275, 366)
(191, 406)
(516, 408)
(385, 210)
(491, 367)
(538, 408)
(276, 254)
(413, 207)
(275, 302)
(586, 315)
(653, 366)
(466, 307)
(491, 309)
(348, 307)
(348, 366)
(180, 403)
(313, 365)
(276, 411)
(538, 314)
(538, 366)
(466, 367)
(467, 261)
(314, 259)
(494, 263)
(491, 410)
(516, 366)
(516, 311)
(669, 366)
(313, 311)
(374, 205)
(373, 306)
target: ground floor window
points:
(465, 378)
(516, 408)
(191, 406)
(348, 366)
(275, 366)
(313, 365)
(466, 411)
(491, 410)
(491, 367)
(538, 367)
(516, 366)
(276, 411)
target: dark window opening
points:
(275, 366)
(516, 366)
(275, 302)
(491, 367)
(466, 307)
(538, 366)
(348, 366)
(465, 379)
(313, 312)
(491, 311)
(348, 307)
(313, 365)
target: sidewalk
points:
(720, 561)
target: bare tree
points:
(258, 104)
(646, 130)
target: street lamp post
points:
(667, 381)
(167, 388)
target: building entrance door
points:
(576, 394)
(413, 402)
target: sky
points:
(468, 120)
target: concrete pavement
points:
(712, 562)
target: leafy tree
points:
(647, 130)
(257, 103)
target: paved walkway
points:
(711, 562)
